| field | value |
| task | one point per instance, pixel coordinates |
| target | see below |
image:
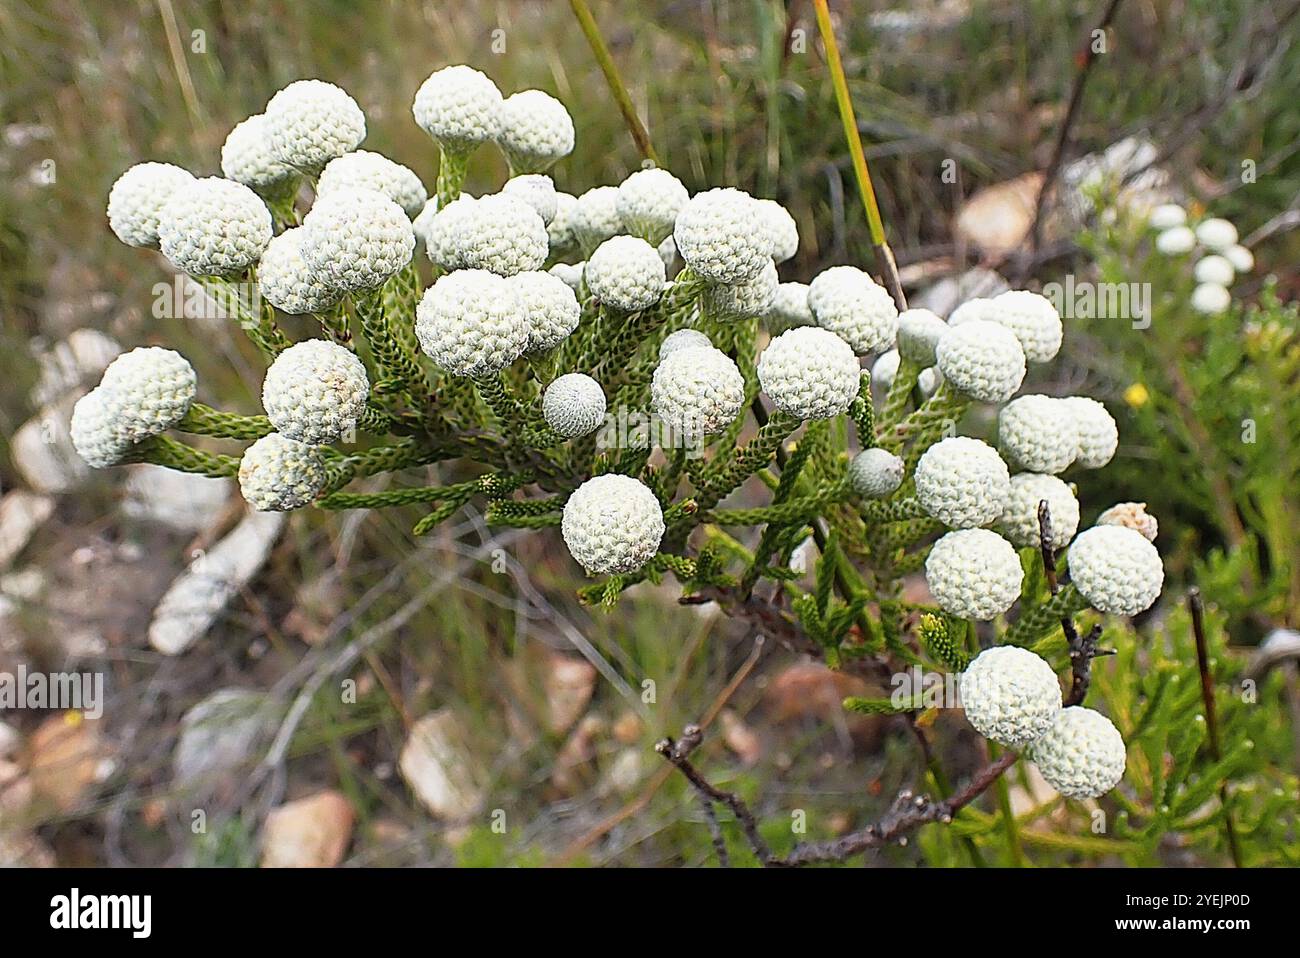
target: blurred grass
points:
(97, 87)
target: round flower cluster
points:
(310, 122)
(1220, 260)
(136, 201)
(974, 574)
(278, 474)
(1010, 695)
(962, 482)
(315, 391)
(1038, 434)
(719, 234)
(845, 300)
(574, 405)
(549, 307)
(247, 156)
(1019, 520)
(697, 390)
(1116, 568)
(470, 323)
(143, 393)
(612, 524)
(625, 273)
(1081, 755)
(809, 373)
(498, 233)
(288, 282)
(354, 239)
(536, 131)
(213, 227)
(648, 203)
(876, 473)
(372, 171)
(982, 359)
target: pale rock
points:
(998, 218)
(76, 362)
(215, 744)
(42, 449)
(9, 740)
(65, 756)
(201, 593)
(311, 832)
(179, 500)
(21, 514)
(740, 738)
(436, 762)
(947, 294)
(625, 772)
(569, 684)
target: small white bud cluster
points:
(143, 393)
(612, 524)
(1221, 259)
(845, 300)
(574, 405)
(809, 373)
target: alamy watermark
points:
(1082, 299)
(182, 298)
(80, 691)
(636, 429)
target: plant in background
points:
(1205, 379)
(548, 313)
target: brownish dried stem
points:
(1087, 57)
(1083, 649)
(1197, 609)
(908, 812)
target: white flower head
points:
(537, 190)
(875, 473)
(94, 431)
(1216, 234)
(363, 169)
(247, 156)
(471, 324)
(1098, 434)
(790, 305)
(459, 107)
(574, 405)
(1019, 519)
(884, 369)
(569, 273)
(356, 239)
(550, 307)
(441, 240)
(720, 235)
(1175, 241)
(151, 389)
(612, 524)
(683, 339)
(698, 391)
(1211, 299)
(536, 131)
(1081, 755)
(1038, 433)
(919, 331)
(310, 122)
(648, 203)
(501, 234)
(315, 392)
(809, 373)
(749, 297)
(1167, 216)
(982, 359)
(626, 273)
(1010, 695)
(848, 302)
(1033, 319)
(422, 224)
(781, 229)
(974, 574)
(214, 227)
(1214, 269)
(594, 217)
(287, 280)
(1242, 259)
(978, 308)
(962, 482)
(136, 201)
(277, 474)
(1116, 569)
(561, 229)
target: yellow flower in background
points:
(1136, 395)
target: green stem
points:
(203, 420)
(452, 168)
(1042, 620)
(592, 32)
(387, 348)
(165, 451)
